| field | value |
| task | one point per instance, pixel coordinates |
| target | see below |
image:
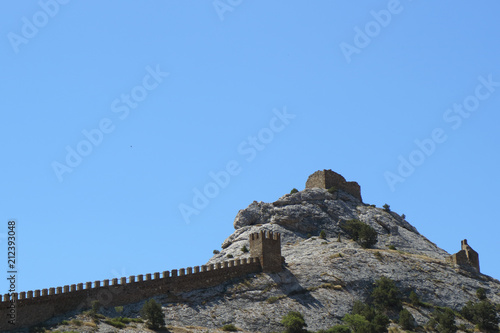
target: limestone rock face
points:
(312, 210)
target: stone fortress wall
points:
(466, 257)
(35, 307)
(328, 178)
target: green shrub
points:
(406, 320)
(360, 232)
(386, 207)
(322, 234)
(294, 322)
(481, 294)
(116, 322)
(119, 309)
(294, 190)
(364, 310)
(272, 299)
(137, 320)
(483, 314)
(443, 320)
(378, 321)
(64, 322)
(229, 328)
(152, 313)
(414, 299)
(386, 295)
(244, 249)
(230, 256)
(308, 235)
(392, 247)
(403, 216)
(76, 322)
(357, 323)
(339, 329)
(94, 310)
(216, 252)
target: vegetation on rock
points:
(483, 314)
(360, 232)
(294, 322)
(386, 295)
(152, 313)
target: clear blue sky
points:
(114, 114)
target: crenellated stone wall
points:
(33, 307)
(267, 247)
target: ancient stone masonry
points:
(467, 256)
(328, 178)
(35, 307)
(268, 249)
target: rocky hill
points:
(322, 277)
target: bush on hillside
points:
(406, 320)
(294, 322)
(229, 328)
(481, 294)
(360, 232)
(483, 314)
(152, 313)
(378, 321)
(357, 323)
(443, 320)
(386, 295)
(414, 299)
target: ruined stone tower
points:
(328, 178)
(267, 247)
(466, 256)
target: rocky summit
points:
(324, 270)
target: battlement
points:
(466, 256)
(33, 307)
(124, 281)
(266, 235)
(267, 247)
(328, 178)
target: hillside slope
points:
(322, 278)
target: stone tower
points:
(466, 256)
(267, 247)
(328, 178)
